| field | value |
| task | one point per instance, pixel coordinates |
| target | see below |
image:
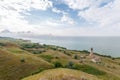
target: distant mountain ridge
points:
(6, 31)
(22, 34)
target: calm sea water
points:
(101, 45)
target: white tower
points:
(91, 52)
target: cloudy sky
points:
(61, 17)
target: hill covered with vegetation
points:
(23, 59)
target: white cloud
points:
(78, 4)
(58, 11)
(43, 4)
(67, 19)
(106, 19)
(82, 4)
(104, 16)
(11, 13)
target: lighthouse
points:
(91, 52)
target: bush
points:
(57, 64)
(47, 57)
(89, 69)
(67, 53)
(22, 59)
(118, 63)
(38, 51)
(2, 44)
(38, 71)
(31, 45)
(85, 51)
(113, 58)
(70, 65)
(76, 57)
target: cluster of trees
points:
(31, 45)
(58, 64)
(34, 48)
(37, 51)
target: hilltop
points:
(62, 74)
(20, 59)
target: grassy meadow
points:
(24, 60)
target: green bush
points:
(75, 56)
(47, 57)
(22, 60)
(57, 64)
(38, 71)
(31, 45)
(67, 53)
(88, 69)
(70, 65)
(2, 44)
(85, 51)
(37, 51)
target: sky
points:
(61, 17)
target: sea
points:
(101, 45)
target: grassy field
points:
(62, 74)
(16, 63)
(20, 59)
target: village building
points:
(94, 58)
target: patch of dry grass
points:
(11, 67)
(62, 74)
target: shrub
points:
(38, 51)
(38, 71)
(2, 44)
(57, 64)
(70, 64)
(76, 57)
(31, 45)
(54, 49)
(85, 51)
(89, 69)
(113, 58)
(67, 53)
(118, 63)
(56, 57)
(22, 59)
(47, 57)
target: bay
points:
(101, 45)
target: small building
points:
(91, 52)
(94, 58)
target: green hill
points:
(62, 74)
(16, 63)
(20, 59)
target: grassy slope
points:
(111, 67)
(11, 68)
(61, 74)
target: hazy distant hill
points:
(6, 31)
(22, 34)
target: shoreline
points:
(31, 41)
